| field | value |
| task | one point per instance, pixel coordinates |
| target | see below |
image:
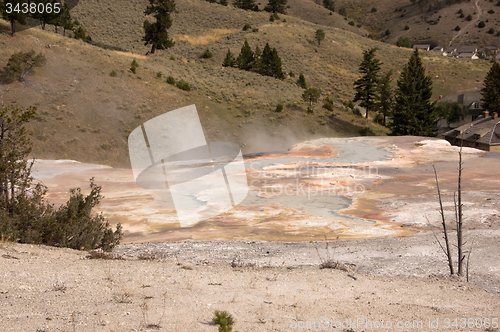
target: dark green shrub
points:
(491, 11)
(75, 226)
(224, 320)
(133, 67)
(183, 85)
(374, 10)
(113, 73)
(255, 30)
(81, 33)
(457, 28)
(207, 54)
(403, 42)
(279, 108)
(460, 11)
(328, 105)
(171, 80)
(159, 74)
(387, 32)
(291, 73)
(469, 18)
(351, 23)
(246, 27)
(343, 11)
(481, 25)
(407, 27)
(491, 31)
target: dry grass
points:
(208, 37)
(100, 254)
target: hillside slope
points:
(86, 114)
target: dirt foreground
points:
(266, 286)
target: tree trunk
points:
(153, 49)
(12, 28)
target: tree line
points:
(266, 63)
(409, 106)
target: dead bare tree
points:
(458, 207)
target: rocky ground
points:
(266, 286)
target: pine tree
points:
(276, 65)
(247, 5)
(270, 63)
(156, 33)
(246, 57)
(276, 6)
(413, 112)
(223, 2)
(385, 91)
(311, 95)
(301, 82)
(13, 16)
(229, 60)
(319, 35)
(366, 86)
(257, 58)
(66, 20)
(491, 90)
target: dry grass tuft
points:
(100, 254)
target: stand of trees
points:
(266, 63)
(62, 19)
(409, 106)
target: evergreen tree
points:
(13, 16)
(270, 64)
(301, 82)
(223, 2)
(329, 4)
(385, 91)
(246, 57)
(319, 35)
(257, 58)
(276, 65)
(276, 6)
(247, 5)
(491, 90)
(21, 63)
(311, 95)
(44, 16)
(66, 20)
(229, 60)
(413, 112)
(156, 33)
(366, 86)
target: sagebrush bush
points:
(246, 27)
(279, 108)
(113, 73)
(183, 85)
(171, 80)
(207, 54)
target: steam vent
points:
(331, 187)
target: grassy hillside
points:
(433, 23)
(85, 114)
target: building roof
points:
(478, 131)
(422, 46)
(467, 49)
(467, 55)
